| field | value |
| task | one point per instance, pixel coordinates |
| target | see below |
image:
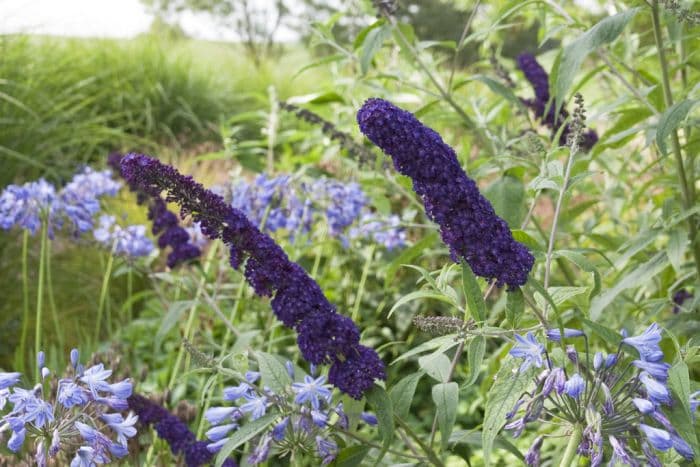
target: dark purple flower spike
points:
(324, 336)
(468, 223)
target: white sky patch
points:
(103, 18)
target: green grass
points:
(65, 102)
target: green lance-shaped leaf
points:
(573, 54)
(243, 434)
(634, 278)
(515, 306)
(402, 393)
(381, 403)
(679, 382)
(446, 397)
(506, 390)
(472, 292)
(475, 355)
(351, 456)
(670, 120)
(273, 373)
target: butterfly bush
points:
(284, 203)
(324, 336)
(618, 400)
(173, 431)
(306, 417)
(27, 206)
(544, 109)
(77, 415)
(166, 224)
(468, 224)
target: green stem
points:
(129, 293)
(103, 295)
(192, 314)
(555, 221)
(40, 295)
(25, 300)
(361, 286)
(574, 441)
(52, 300)
(468, 122)
(687, 189)
(425, 447)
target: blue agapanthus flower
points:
(618, 401)
(305, 412)
(25, 206)
(74, 419)
(130, 242)
(286, 203)
(529, 350)
(76, 204)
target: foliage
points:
(580, 359)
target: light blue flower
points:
(682, 447)
(327, 449)
(252, 376)
(124, 428)
(575, 386)
(644, 406)
(658, 438)
(70, 394)
(219, 432)
(9, 379)
(656, 391)
(216, 415)
(256, 406)
(555, 334)
(95, 377)
(84, 457)
(369, 418)
(16, 440)
(121, 389)
(280, 428)
(319, 418)
(529, 350)
(216, 446)
(647, 343)
(658, 370)
(233, 393)
(311, 390)
(261, 451)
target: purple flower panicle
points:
(468, 223)
(173, 431)
(545, 110)
(165, 223)
(324, 336)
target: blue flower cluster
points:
(173, 431)
(166, 224)
(614, 406)
(539, 80)
(130, 242)
(324, 335)
(306, 420)
(468, 223)
(77, 414)
(27, 206)
(282, 202)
